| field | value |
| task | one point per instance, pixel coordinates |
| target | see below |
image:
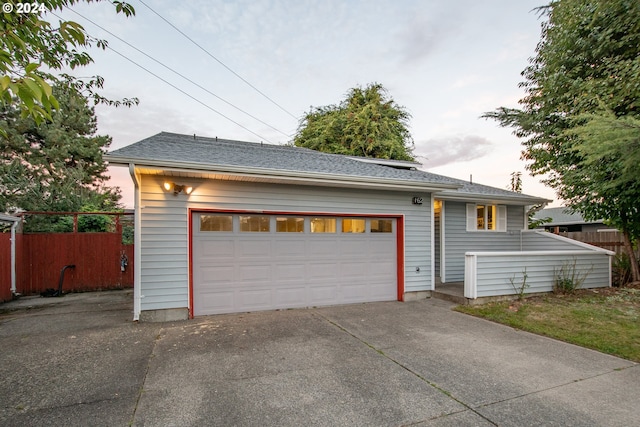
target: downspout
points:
(137, 245)
(13, 257)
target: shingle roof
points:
(211, 153)
(561, 216)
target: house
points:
(562, 220)
(227, 226)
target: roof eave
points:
(513, 200)
(285, 176)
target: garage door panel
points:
(290, 297)
(254, 299)
(215, 273)
(254, 247)
(321, 271)
(221, 302)
(289, 248)
(288, 272)
(218, 249)
(254, 273)
(353, 270)
(355, 292)
(323, 294)
(249, 271)
(322, 248)
(352, 245)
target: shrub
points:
(621, 270)
(567, 278)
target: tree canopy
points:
(579, 117)
(57, 165)
(367, 123)
(32, 49)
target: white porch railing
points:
(531, 271)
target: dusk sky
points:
(446, 62)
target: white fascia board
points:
(540, 253)
(491, 198)
(285, 176)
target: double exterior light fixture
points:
(177, 188)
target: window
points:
(254, 223)
(381, 225)
(353, 225)
(289, 225)
(216, 223)
(323, 225)
(486, 217)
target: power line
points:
(190, 96)
(180, 90)
(219, 61)
(179, 74)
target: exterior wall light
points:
(177, 188)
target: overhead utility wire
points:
(219, 61)
(177, 73)
(190, 96)
(181, 91)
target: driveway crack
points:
(146, 373)
(406, 368)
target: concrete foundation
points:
(415, 296)
(166, 315)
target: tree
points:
(367, 123)
(56, 166)
(515, 184)
(31, 49)
(607, 185)
(587, 63)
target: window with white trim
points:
(485, 217)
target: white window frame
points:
(501, 220)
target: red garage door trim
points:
(399, 238)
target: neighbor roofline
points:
(550, 224)
(281, 175)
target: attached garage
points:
(230, 226)
(244, 261)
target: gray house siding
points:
(458, 241)
(165, 234)
(495, 272)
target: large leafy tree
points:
(33, 49)
(57, 165)
(366, 123)
(582, 89)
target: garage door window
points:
(254, 223)
(216, 223)
(323, 225)
(289, 225)
(353, 225)
(382, 226)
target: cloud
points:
(442, 151)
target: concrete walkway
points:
(79, 360)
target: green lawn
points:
(607, 320)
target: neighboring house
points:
(561, 220)
(228, 226)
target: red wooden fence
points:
(41, 257)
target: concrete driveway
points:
(79, 360)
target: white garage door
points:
(250, 262)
